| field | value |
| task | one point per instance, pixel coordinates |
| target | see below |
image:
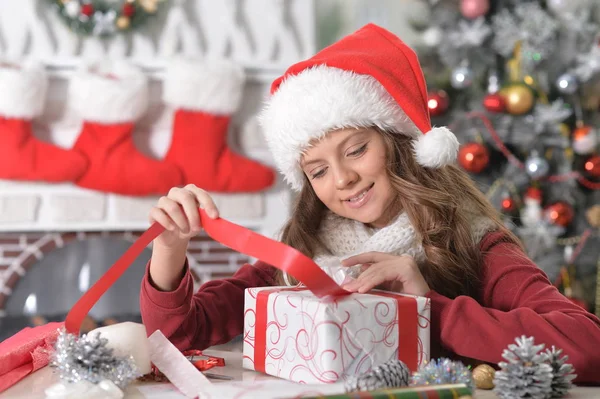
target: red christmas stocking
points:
(22, 156)
(110, 97)
(205, 95)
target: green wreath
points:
(103, 18)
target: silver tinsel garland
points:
(87, 358)
(393, 374)
(443, 371)
(525, 373)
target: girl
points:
(378, 192)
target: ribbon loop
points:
(238, 238)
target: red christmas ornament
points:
(473, 9)
(473, 157)
(560, 213)
(592, 166)
(534, 193)
(494, 103)
(438, 103)
(508, 205)
(128, 10)
(87, 9)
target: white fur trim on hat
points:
(436, 148)
(320, 99)
(23, 89)
(109, 92)
(212, 86)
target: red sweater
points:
(516, 299)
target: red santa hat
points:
(369, 78)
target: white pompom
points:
(436, 148)
(128, 339)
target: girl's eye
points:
(358, 151)
(318, 174)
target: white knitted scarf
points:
(342, 238)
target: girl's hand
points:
(393, 273)
(178, 213)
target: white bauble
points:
(128, 339)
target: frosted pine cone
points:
(563, 373)
(392, 374)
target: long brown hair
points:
(435, 201)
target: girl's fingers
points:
(367, 257)
(159, 216)
(189, 203)
(174, 210)
(375, 275)
(205, 200)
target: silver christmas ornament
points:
(536, 166)
(462, 77)
(493, 85)
(433, 36)
(567, 83)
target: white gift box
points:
(292, 334)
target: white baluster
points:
(233, 33)
(92, 48)
(22, 23)
(178, 30)
(142, 47)
(117, 46)
(273, 35)
(66, 40)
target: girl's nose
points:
(345, 178)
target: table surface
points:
(34, 385)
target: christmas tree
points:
(518, 81)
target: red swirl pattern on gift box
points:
(423, 323)
(325, 341)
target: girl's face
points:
(347, 170)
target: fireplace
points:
(57, 239)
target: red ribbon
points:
(407, 319)
(236, 237)
(277, 254)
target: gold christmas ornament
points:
(149, 5)
(593, 216)
(483, 376)
(123, 22)
(519, 99)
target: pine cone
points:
(525, 374)
(563, 373)
(392, 374)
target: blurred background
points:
(518, 81)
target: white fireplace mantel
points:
(273, 35)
